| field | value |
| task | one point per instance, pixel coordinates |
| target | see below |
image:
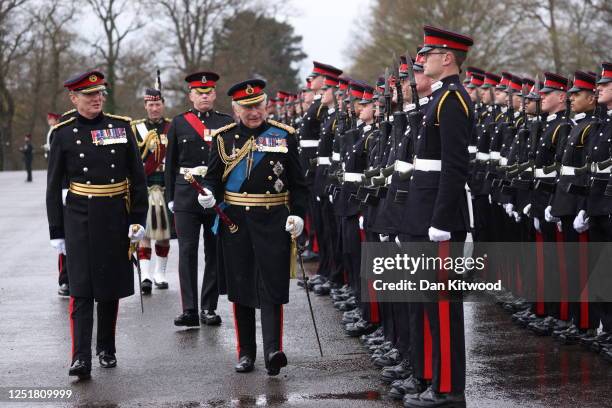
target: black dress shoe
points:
(410, 385)
(399, 371)
(391, 358)
(161, 285)
(359, 328)
(210, 318)
(245, 365)
(189, 319)
(431, 399)
(146, 287)
(276, 361)
(107, 360)
(80, 369)
(63, 290)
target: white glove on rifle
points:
(171, 206)
(208, 200)
(64, 195)
(581, 222)
(509, 208)
(548, 216)
(383, 238)
(527, 210)
(437, 235)
(136, 233)
(361, 222)
(517, 217)
(536, 224)
(59, 244)
(294, 225)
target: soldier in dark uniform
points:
(105, 209)
(439, 205)
(256, 175)
(189, 143)
(152, 141)
(27, 151)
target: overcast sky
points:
(326, 27)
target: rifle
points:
(387, 95)
(398, 84)
(413, 84)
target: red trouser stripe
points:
(539, 239)
(280, 342)
(70, 311)
(427, 348)
(583, 240)
(374, 312)
(236, 329)
(60, 264)
(445, 330)
(563, 305)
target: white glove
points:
(331, 198)
(397, 241)
(171, 206)
(548, 216)
(517, 216)
(294, 225)
(136, 233)
(60, 245)
(581, 222)
(361, 222)
(536, 224)
(383, 238)
(64, 195)
(527, 210)
(559, 226)
(509, 208)
(208, 200)
(437, 235)
(490, 199)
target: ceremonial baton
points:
(224, 218)
(300, 249)
(136, 262)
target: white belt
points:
(388, 181)
(323, 161)
(472, 149)
(482, 156)
(503, 161)
(568, 171)
(539, 173)
(495, 155)
(603, 171)
(427, 165)
(309, 143)
(353, 177)
(195, 171)
(335, 156)
(402, 166)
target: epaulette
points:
(288, 128)
(137, 121)
(223, 114)
(222, 129)
(69, 112)
(67, 121)
(125, 118)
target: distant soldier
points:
(105, 209)
(152, 141)
(28, 154)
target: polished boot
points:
(80, 369)
(431, 399)
(210, 318)
(159, 276)
(107, 360)
(276, 361)
(245, 365)
(187, 318)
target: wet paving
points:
(161, 365)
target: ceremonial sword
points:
(136, 262)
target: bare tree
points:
(108, 13)
(13, 45)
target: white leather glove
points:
(383, 238)
(208, 200)
(581, 222)
(397, 241)
(171, 206)
(509, 208)
(490, 199)
(136, 233)
(536, 224)
(294, 225)
(517, 216)
(437, 235)
(559, 226)
(59, 244)
(361, 222)
(548, 216)
(64, 195)
(331, 198)
(527, 210)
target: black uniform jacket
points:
(254, 261)
(188, 149)
(438, 198)
(96, 228)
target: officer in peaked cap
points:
(189, 143)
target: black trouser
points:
(62, 268)
(81, 327)
(324, 237)
(600, 231)
(28, 166)
(271, 329)
(188, 227)
(445, 319)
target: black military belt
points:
(99, 190)
(256, 200)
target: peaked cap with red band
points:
(249, 92)
(491, 80)
(438, 38)
(203, 81)
(554, 82)
(87, 82)
(606, 73)
(528, 84)
(583, 81)
(326, 70)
